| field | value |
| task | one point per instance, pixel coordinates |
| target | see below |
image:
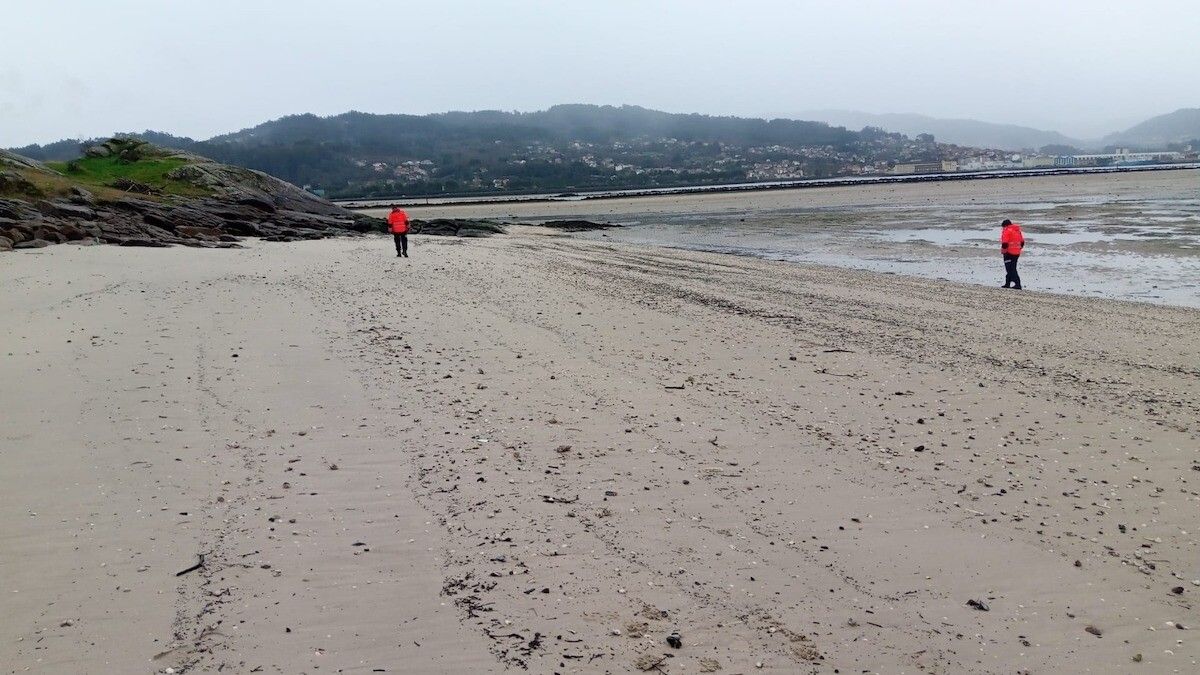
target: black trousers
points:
(401, 244)
(1010, 271)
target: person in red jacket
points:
(1011, 243)
(398, 224)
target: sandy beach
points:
(546, 453)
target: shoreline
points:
(799, 184)
(940, 280)
(1125, 236)
(547, 453)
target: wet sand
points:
(1034, 189)
(1133, 236)
(544, 452)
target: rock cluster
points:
(457, 227)
(467, 227)
(576, 225)
(132, 221)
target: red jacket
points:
(398, 222)
(1011, 239)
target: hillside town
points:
(1000, 160)
(671, 161)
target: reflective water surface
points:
(1138, 249)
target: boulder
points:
(79, 195)
(70, 232)
(6, 244)
(66, 210)
(193, 231)
(190, 216)
(49, 233)
(159, 233)
(257, 203)
(157, 217)
(119, 228)
(32, 243)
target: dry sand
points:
(539, 452)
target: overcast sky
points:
(86, 68)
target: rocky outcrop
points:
(133, 221)
(457, 227)
(241, 203)
(251, 188)
(466, 227)
(576, 225)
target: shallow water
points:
(1126, 248)
(1132, 236)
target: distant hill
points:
(592, 147)
(577, 122)
(1181, 126)
(972, 133)
(563, 148)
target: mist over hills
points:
(959, 131)
(1181, 126)
(585, 147)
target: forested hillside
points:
(567, 147)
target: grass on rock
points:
(109, 171)
(47, 185)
